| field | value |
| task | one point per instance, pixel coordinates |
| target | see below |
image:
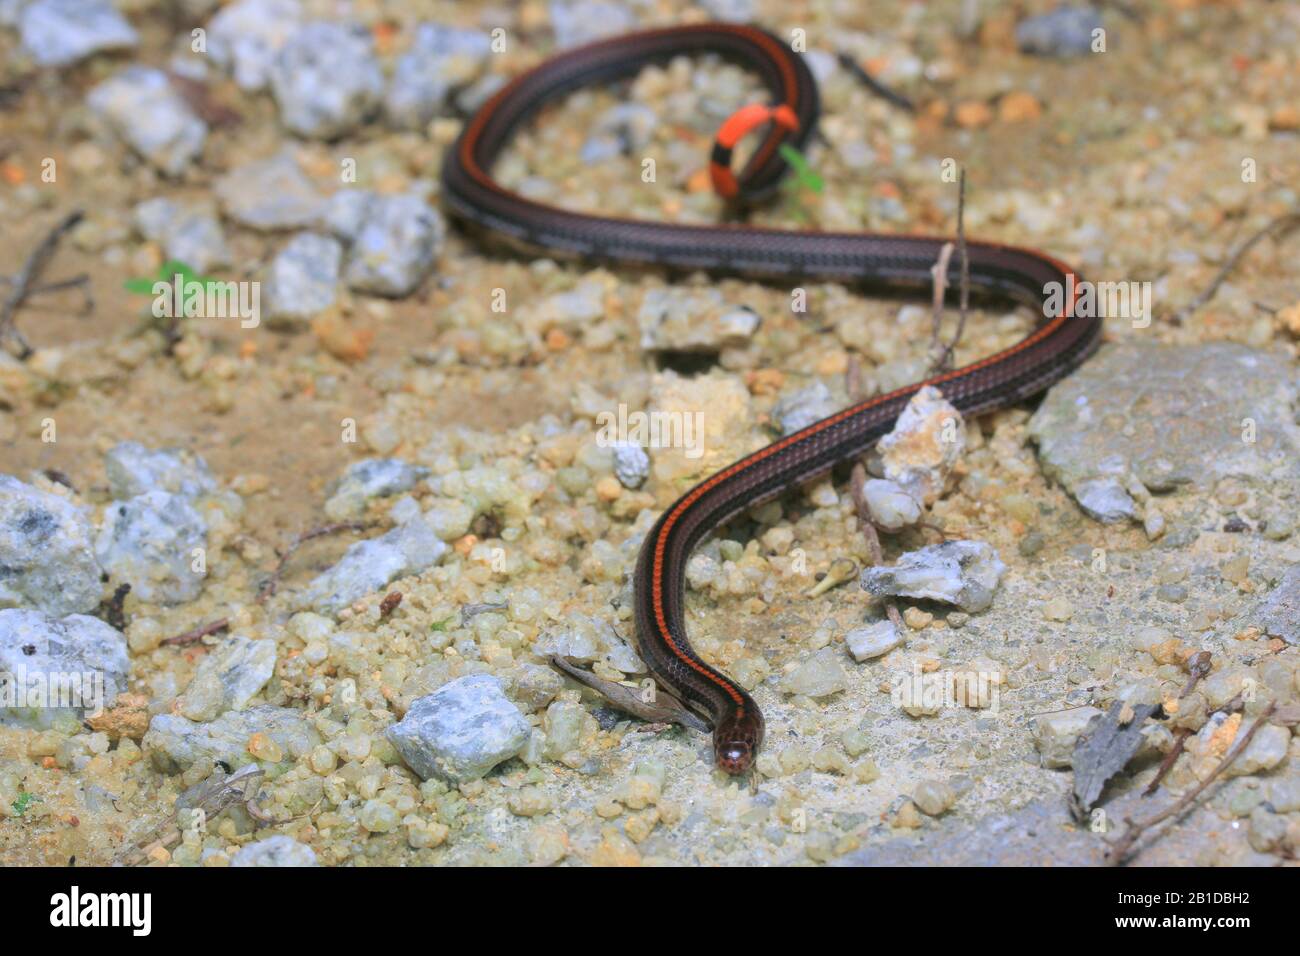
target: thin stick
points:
(200, 632)
(874, 85)
(1281, 226)
(273, 582)
(942, 355)
(28, 278)
(939, 274)
(1120, 848)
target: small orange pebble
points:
(12, 174)
(49, 763)
(972, 114)
(1171, 651)
(671, 207)
(929, 665)
(340, 340)
(699, 181)
(557, 340)
(833, 363)
(887, 189)
(1285, 118)
(247, 349)
(764, 381)
(465, 544)
(1019, 107)
(1276, 645)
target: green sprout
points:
(805, 175)
(167, 273)
(24, 802)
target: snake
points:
(1058, 343)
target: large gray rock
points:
(134, 470)
(394, 246)
(1156, 417)
(76, 665)
(303, 279)
(46, 556)
(141, 107)
(326, 80)
(440, 60)
(246, 37)
(460, 731)
(228, 677)
(173, 743)
(61, 32)
(369, 565)
(150, 541)
(964, 573)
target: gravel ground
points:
(433, 404)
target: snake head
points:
(736, 740)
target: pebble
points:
(175, 743)
(151, 542)
(369, 565)
(36, 649)
(326, 80)
(270, 194)
(874, 640)
(302, 280)
(441, 59)
(1278, 614)
(61, 32)
(134, 469)
(924, 445)
(933, 797)
(396, 243)
(819, 675)
(1065, 31)
(46, 549)
(1056, 734)
(631, 464)
(1058, 609)
(369, 479)
(580, 21)
(188, 234)
(228, 677)
(140, 106)
(675, 319)
(964, 573)
(892, 507)
(803, 407)
(460, 731)
(278, 850)
(245, 38)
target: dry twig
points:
(27, 281)
(1122, 847)
(198, 633)
(268, 589)
(1279, 226)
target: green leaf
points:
(24, 802)
(803, 170)
(140, 286)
